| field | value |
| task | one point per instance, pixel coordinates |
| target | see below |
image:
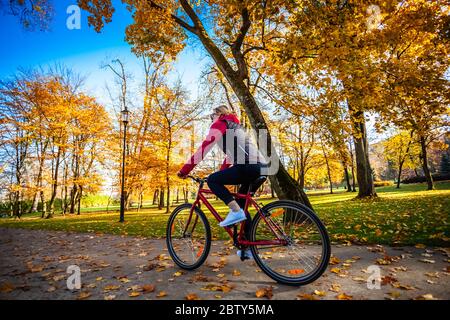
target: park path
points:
(33, 265)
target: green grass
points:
(405, 216)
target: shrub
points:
(436, 177)
(383, 183)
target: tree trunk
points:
(155, 197)
(168, 200)
(185, 194)
(352, 164)
(347, 179)
(363, 169)
(426, 170)
(285, 186)
(80, 194)
(328, 169)
(34, 206)
(141, 199)
(169, 148)
(73, 194)
(51, 204)
(161, 199)
(44, 204)
(399, 174)
(64, 189)
(65, 199)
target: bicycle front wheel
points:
(188, 237)
(305, 253)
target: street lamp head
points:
(125, 115)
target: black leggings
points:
(242, 174)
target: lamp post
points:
(125, 115)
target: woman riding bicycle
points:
(242, 164)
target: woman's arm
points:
(218, 128)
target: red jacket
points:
(217, 129)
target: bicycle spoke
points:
(297, 259)
(188, 237)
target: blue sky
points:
(83, 50)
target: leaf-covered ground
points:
(407, 216)
(34, 263)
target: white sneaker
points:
(233, 217)
(248, 253)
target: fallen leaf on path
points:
(236, 273)
(432, 274)
(134, 294)
(427, 296)
(161, 294)
(335, 287)
(51, 289)
(57, 278)
(334, 260)
(6, 287)
(427, 260)
(217, 287)
(110, 288)
(394, 294)
(83, 295)
(319, 293)
(264, 292)
(335, 270)
(306, 296)
(109, 297)
(149, 267)
(34, 268)
(388, 279)
(192, 296)
(402, 286)
(296, 271)
(344, 296)
(148, 288)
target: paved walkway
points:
(33, 265)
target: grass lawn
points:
(405, 216)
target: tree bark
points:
(366, 187)
(328, 168)
(161, 199)
(35, 203)
(347, 179)
(285, 186)
(73, 194)
(51, 204)
(424, 158)
(155, 197)
(80, 194)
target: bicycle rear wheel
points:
(188, 238)
(305, 255)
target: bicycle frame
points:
(248, 201)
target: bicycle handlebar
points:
(197, 179)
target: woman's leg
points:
(218, 180)
(238, 174)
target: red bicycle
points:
(287, 240)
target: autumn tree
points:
(417, 88)
(55, 121)
(164, 26)
(400, 149)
